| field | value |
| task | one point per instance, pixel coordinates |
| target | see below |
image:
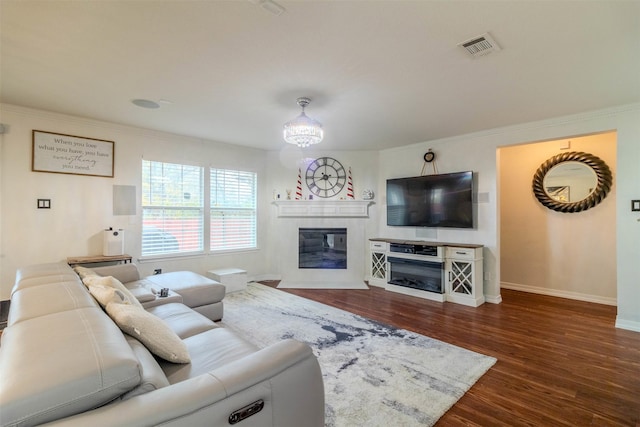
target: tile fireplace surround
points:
(296, 214)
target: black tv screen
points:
(443, 200)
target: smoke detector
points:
(480, 45)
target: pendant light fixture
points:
(303, 131)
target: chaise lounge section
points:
(64, 361)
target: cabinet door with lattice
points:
(378, 267)
(461, 277)
(463, 270)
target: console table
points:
(94, 259)
(462, 278)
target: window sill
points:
(179, 256)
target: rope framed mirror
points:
(550, 191)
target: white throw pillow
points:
(150, 331)
(106, 294)
(84, 271)
(114, 283)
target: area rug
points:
(374, 374)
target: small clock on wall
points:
(325, 177)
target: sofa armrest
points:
(125, 273)
(285, 375)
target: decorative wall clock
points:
(325, 177)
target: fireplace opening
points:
(417, 274)
(324, 248)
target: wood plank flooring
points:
(560, 362)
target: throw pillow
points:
(150, 331)
(84, 271)
(114, 283)
(106, 294)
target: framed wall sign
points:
(60, 153)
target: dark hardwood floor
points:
(560, 362)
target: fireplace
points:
(341, 264)
(417, 274)
(322, 248)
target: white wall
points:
(452, 155)
(544, 251)
(283, 174)
(82, 206)
(478, 152)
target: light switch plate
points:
(44, 203)
(635, 205)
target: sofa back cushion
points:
(40, 274)
(123, 272)
(46, 299)
(61, 364)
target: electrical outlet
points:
(157, 271)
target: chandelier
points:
(303, 131)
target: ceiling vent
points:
(480, 45)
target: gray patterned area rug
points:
(374, 374)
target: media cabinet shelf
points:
(463, 271)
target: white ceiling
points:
(380, 73)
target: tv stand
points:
(460, 264)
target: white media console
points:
(432, 270)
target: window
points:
(233, 209)
(172, 208)
(174, 197)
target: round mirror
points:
(572, 182)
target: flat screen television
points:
(443, 200)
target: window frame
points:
(206, 210)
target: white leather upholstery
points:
(182, 320)
(64, 362)
(206, 357)
(36, 301)
(152, 376)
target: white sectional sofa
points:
(65, 362)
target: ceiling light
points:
(303, 131)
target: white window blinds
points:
(233, 209)
(172, 208)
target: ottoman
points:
(233, 279)
(198, 292)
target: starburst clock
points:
(325, 177)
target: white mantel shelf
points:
(323, 208)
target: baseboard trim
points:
(493, 299)
(629, 325)
(559, 293)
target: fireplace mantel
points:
(323, 208)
